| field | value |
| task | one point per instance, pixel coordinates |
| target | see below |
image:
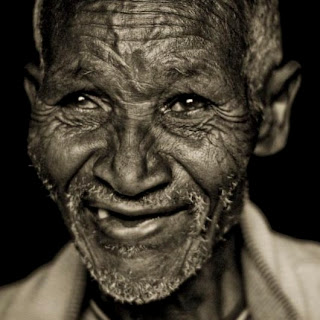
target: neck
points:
(214, 293)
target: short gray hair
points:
(264, 46)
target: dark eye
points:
(78, 100)
(187, 104)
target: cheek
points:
(223, 154)
(62, 151)
(65, 156)
(223, 151)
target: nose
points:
(132, 169)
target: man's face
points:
(142, 132)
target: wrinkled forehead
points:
(217, 25)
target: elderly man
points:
(144, 117)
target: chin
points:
(148, 274)
(144, 260)
(139, 259)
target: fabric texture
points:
(93, 312)
(281, 279)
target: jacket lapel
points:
(269, 290)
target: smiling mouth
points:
(135, 225)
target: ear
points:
(280, 93)
(32, 82)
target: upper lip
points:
(137, 210)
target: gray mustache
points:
(94, 191)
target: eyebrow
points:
(84, 77)
(57, 85)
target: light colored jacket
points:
(281, 279)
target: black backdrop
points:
(285, 186)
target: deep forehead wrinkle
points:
(163, 72)
(110, 45)
(119, 16)
(184, 53)
(101, 21)
(128, 13)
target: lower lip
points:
(125, 231)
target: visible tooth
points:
(102, 214)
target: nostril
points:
(125, 187)
(132, 177)
(104, 182)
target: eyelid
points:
(71, 98)
(99, 101)
(183, 98)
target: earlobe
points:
(280, 92)
(32, 82)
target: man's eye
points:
(187, 104)
(78, 101)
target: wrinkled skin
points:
(112, 125)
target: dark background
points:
(285, 186)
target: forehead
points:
(146, 37)
(117, 21)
